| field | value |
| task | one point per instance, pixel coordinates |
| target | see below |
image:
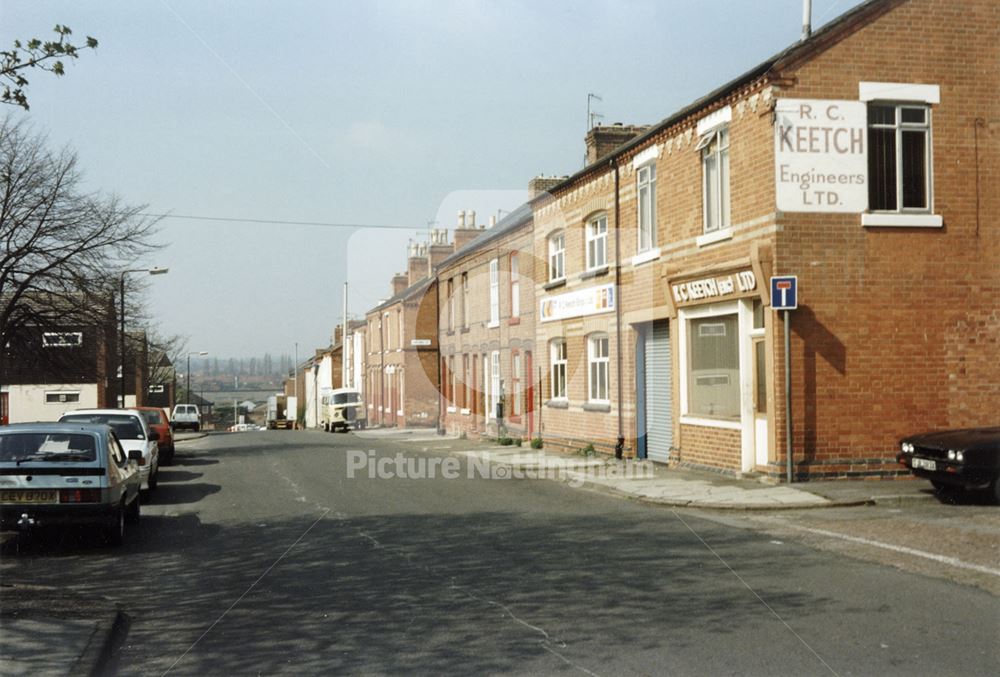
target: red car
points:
(159, 421)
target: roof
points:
(57, 428)
(412, 290)
(820, 40)
(514, 220)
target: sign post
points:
(785, 296)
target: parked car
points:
(186, 416)
(967, 459)
(132, 431)
(67, 474)
(159, 421)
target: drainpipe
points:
(620, 446)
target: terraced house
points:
(858, 160)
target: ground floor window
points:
(62, 397)
(597, 357)
(494, 381)
(558, 357)
(515, 385)
(713, 365)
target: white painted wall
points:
(27, 402)
(310, 395)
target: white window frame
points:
(494, 292)
(898, 126)
(558, 360)
(515, 384)
(714, 148)
(557, 256)
(62, 396)
(465, 300)
(494, 381)
(597, 242)
(399, 326)
(515, 284)
(598, 355)
(645, 179)
(684, 315)
(451, 304)
(62, 339)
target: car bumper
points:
(950, 473)
(46, 515)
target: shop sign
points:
(820, 155)
(719, 287)
(420, 342)
(589, 301)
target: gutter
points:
(620, 446)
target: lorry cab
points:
(343, 409)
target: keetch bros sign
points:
(820, 155)
(590, 301)
(716, 288)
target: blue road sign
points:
(785, 292)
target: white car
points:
(132, 431)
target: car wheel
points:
(114, 534)
(133, 513)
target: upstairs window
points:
(451, 304)
(647, 207)
(558, 355)
(62, 339)
(899, 177)
(494, 292)
(557, 257)
(714, 147)
(515, 285)
(465, 300)
(597, 243)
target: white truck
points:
(342, 409)
(186, 416)
(281, 410)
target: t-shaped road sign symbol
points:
(785, 292)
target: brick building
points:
(486, 328)
(858, 160)
(401, 388)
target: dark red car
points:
(159, 421)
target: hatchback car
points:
(67, 474)
(159, 421)
(967, 459)
(132, 431)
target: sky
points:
(387, 117)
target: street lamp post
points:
(202, 353)
(121, 343)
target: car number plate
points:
(29, 496)
(924, 463)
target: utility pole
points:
(343, 343)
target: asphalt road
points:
(258, 554)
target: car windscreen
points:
(125, 427)
(345, 398)
(41, 446)
(153, 417)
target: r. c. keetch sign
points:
(820, 155)
(717, 287)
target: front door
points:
(529, 405)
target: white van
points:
(343, 409)
(186, 416)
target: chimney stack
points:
(466, 230)
(543, 184)
(416, 263)
(603, 140)
(400, 281)
(440, 249)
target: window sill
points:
(514, 320)
(557, 404)
(902, 220)
(492, 325)
(450, 332)
(646, 256)
(587, 274)
(554, 284)
(720, 235)
(452, 410)
(711, 422)
(465, 330)
(597, 406)
(465, 412)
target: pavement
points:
(52, 631)
(665, 485)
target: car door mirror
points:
(135, 455)
(154, 436)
